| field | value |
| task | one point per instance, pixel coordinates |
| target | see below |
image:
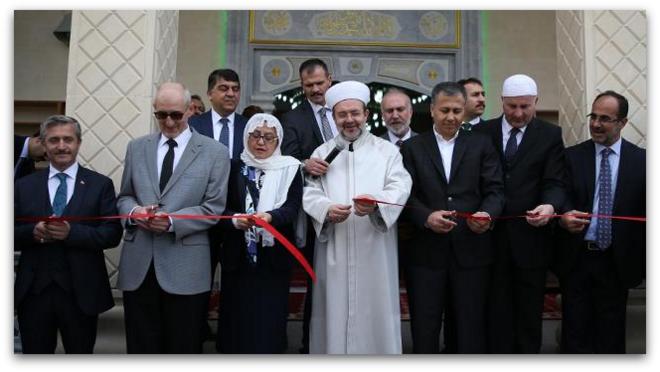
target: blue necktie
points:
(254, 193)
(604, 228)
(59, 201)
(511, 145)
(224, 132)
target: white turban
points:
(347, 90)
(519, 85)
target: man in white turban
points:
(532, 153)
(356, 299)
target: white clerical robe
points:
(356, 298)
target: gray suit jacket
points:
(198, 186)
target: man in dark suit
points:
(61, 281)
(397, 111)
(305, 128)
(452, 171)
(599, 259)
(27, 150)
(531, 153)
(476, 101)
(221, 122)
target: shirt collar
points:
(616, 147)
(440, 139)
(475, 120)
(215, 117)
(316, 108)
(394, 138)
(181, 140)
(72, 171)
(506, 127)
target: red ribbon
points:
(467, 215)
(258, 221)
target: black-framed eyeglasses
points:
(268, 137)
(162, 115)
(603, 119)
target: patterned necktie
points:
(604, 228)
(511, 145)
(224, 132)
(254, 194)
(466, 127)
(59, 201)
(325, 125)
(168, 164)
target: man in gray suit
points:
(397, 111)
(165, 269)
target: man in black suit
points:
(531, 153)
(27, 150)
(452, 171)
(221, 122)
(476, 100)
(62, 282)
(397, 111)
(599, 259)
(307, 127)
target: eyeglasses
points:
(162, 115)
(603, 119)
(268, 138)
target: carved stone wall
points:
(116, 59)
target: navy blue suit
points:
(72, 273)
(22, 166)
(595, 284)
(203, 124)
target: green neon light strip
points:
(222, 40)
(485, 77)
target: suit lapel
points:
(432, 149)
(239, 128)
(206, 127)
(307, 107)
(79, 191)
(189, 154)
(589, 170)
(459, 149)
(529, 139)
(625, 166)
(496, 133)
(43, 190)
(150, 156)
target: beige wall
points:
(198, 51)
(521, 42)
(40, 60)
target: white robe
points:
(356, 298)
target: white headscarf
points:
(279, 170)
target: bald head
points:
(171, 108)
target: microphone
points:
(333, 154)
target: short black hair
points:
(224, 74)
(311, 64)
(196, 96)
(470, 80)
(623, 102)
(448, 88)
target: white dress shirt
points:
(181, 141)
(217, 128)
(613, 159)
(506, 133)
(54, 181)
(328, 114)
(446, 148)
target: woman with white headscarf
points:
(255, 267)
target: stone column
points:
(116, 60)
(601, 50)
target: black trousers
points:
(41, 315)
(428, 293)
(158, 322)
(515, 306)
(594, 306)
